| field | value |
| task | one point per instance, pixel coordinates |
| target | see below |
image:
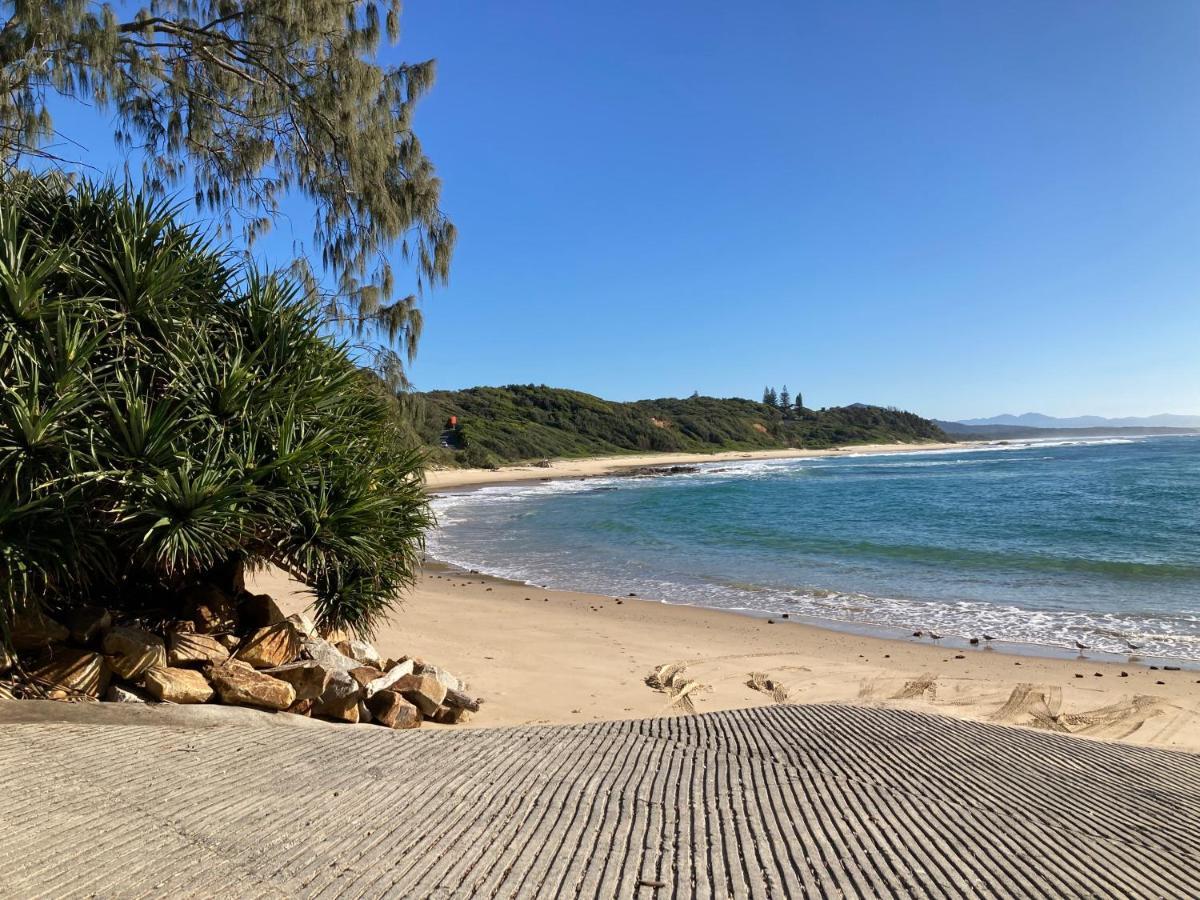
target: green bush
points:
(166, 411)
(528, 422)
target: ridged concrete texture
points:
(816, 801)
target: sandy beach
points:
(555, 657)
(587, 467)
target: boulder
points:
(328, 655)
(425, 691)
(451, 683)
(73, 671)
(339, 700)
(272, 646)
(123, 693)
(238, 684)
(229, 641)
(189, 648)
(259, 611)
(393, 711)
(88, 624)
(451, 715)
(34, 630)
(364, 675)
(210, 608)
(132, 651)
(389, 678)
(303, 624)
(364, 714)
(361, 651)
(307, 677)
(178, 685)
(302, 707)
(461, 700)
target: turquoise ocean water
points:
(1043, 542)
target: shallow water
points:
(1039, 542)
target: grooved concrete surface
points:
(819, 801)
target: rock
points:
(302, 707)
(339, 700)
(361, 651)
(178, 685)
(120, 693)
(134, 650)
(451, 715)
(425, 691)
(191, 648)
(393, 711)
(328, 655)
(34, 630)
(389, 678)
(364, 714)
(88, 624)
(259, 611)
(307, 677)
(460, 700)
(211, 609)
(238, 684)
(272, 646)
(74, 671)
(303, 624)
(364, 675)
(451, 683)
(229, 641)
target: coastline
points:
(552, 656)
(594, 466)
(543, 657)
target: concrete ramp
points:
(787, 801)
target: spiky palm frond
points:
(162, 410)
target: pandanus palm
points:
(164, 410)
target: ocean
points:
(1038, 542)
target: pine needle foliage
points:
(251, 102)
(165, 410)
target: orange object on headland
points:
(454, 421)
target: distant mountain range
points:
(1037, 420)
(1007, 432)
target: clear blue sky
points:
(958, 208)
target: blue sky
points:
(957, 208)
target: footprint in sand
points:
(764, 684)
(1118, 720)
(671, 679)
(924, 685)
(1039, 706)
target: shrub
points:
(166, 411)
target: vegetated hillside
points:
(527, 422)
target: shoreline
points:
(550, 657)
(951, 642)
(633, 466)
(598, 466)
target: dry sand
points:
(608, 465)
(548, 657)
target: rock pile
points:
(241, 652)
